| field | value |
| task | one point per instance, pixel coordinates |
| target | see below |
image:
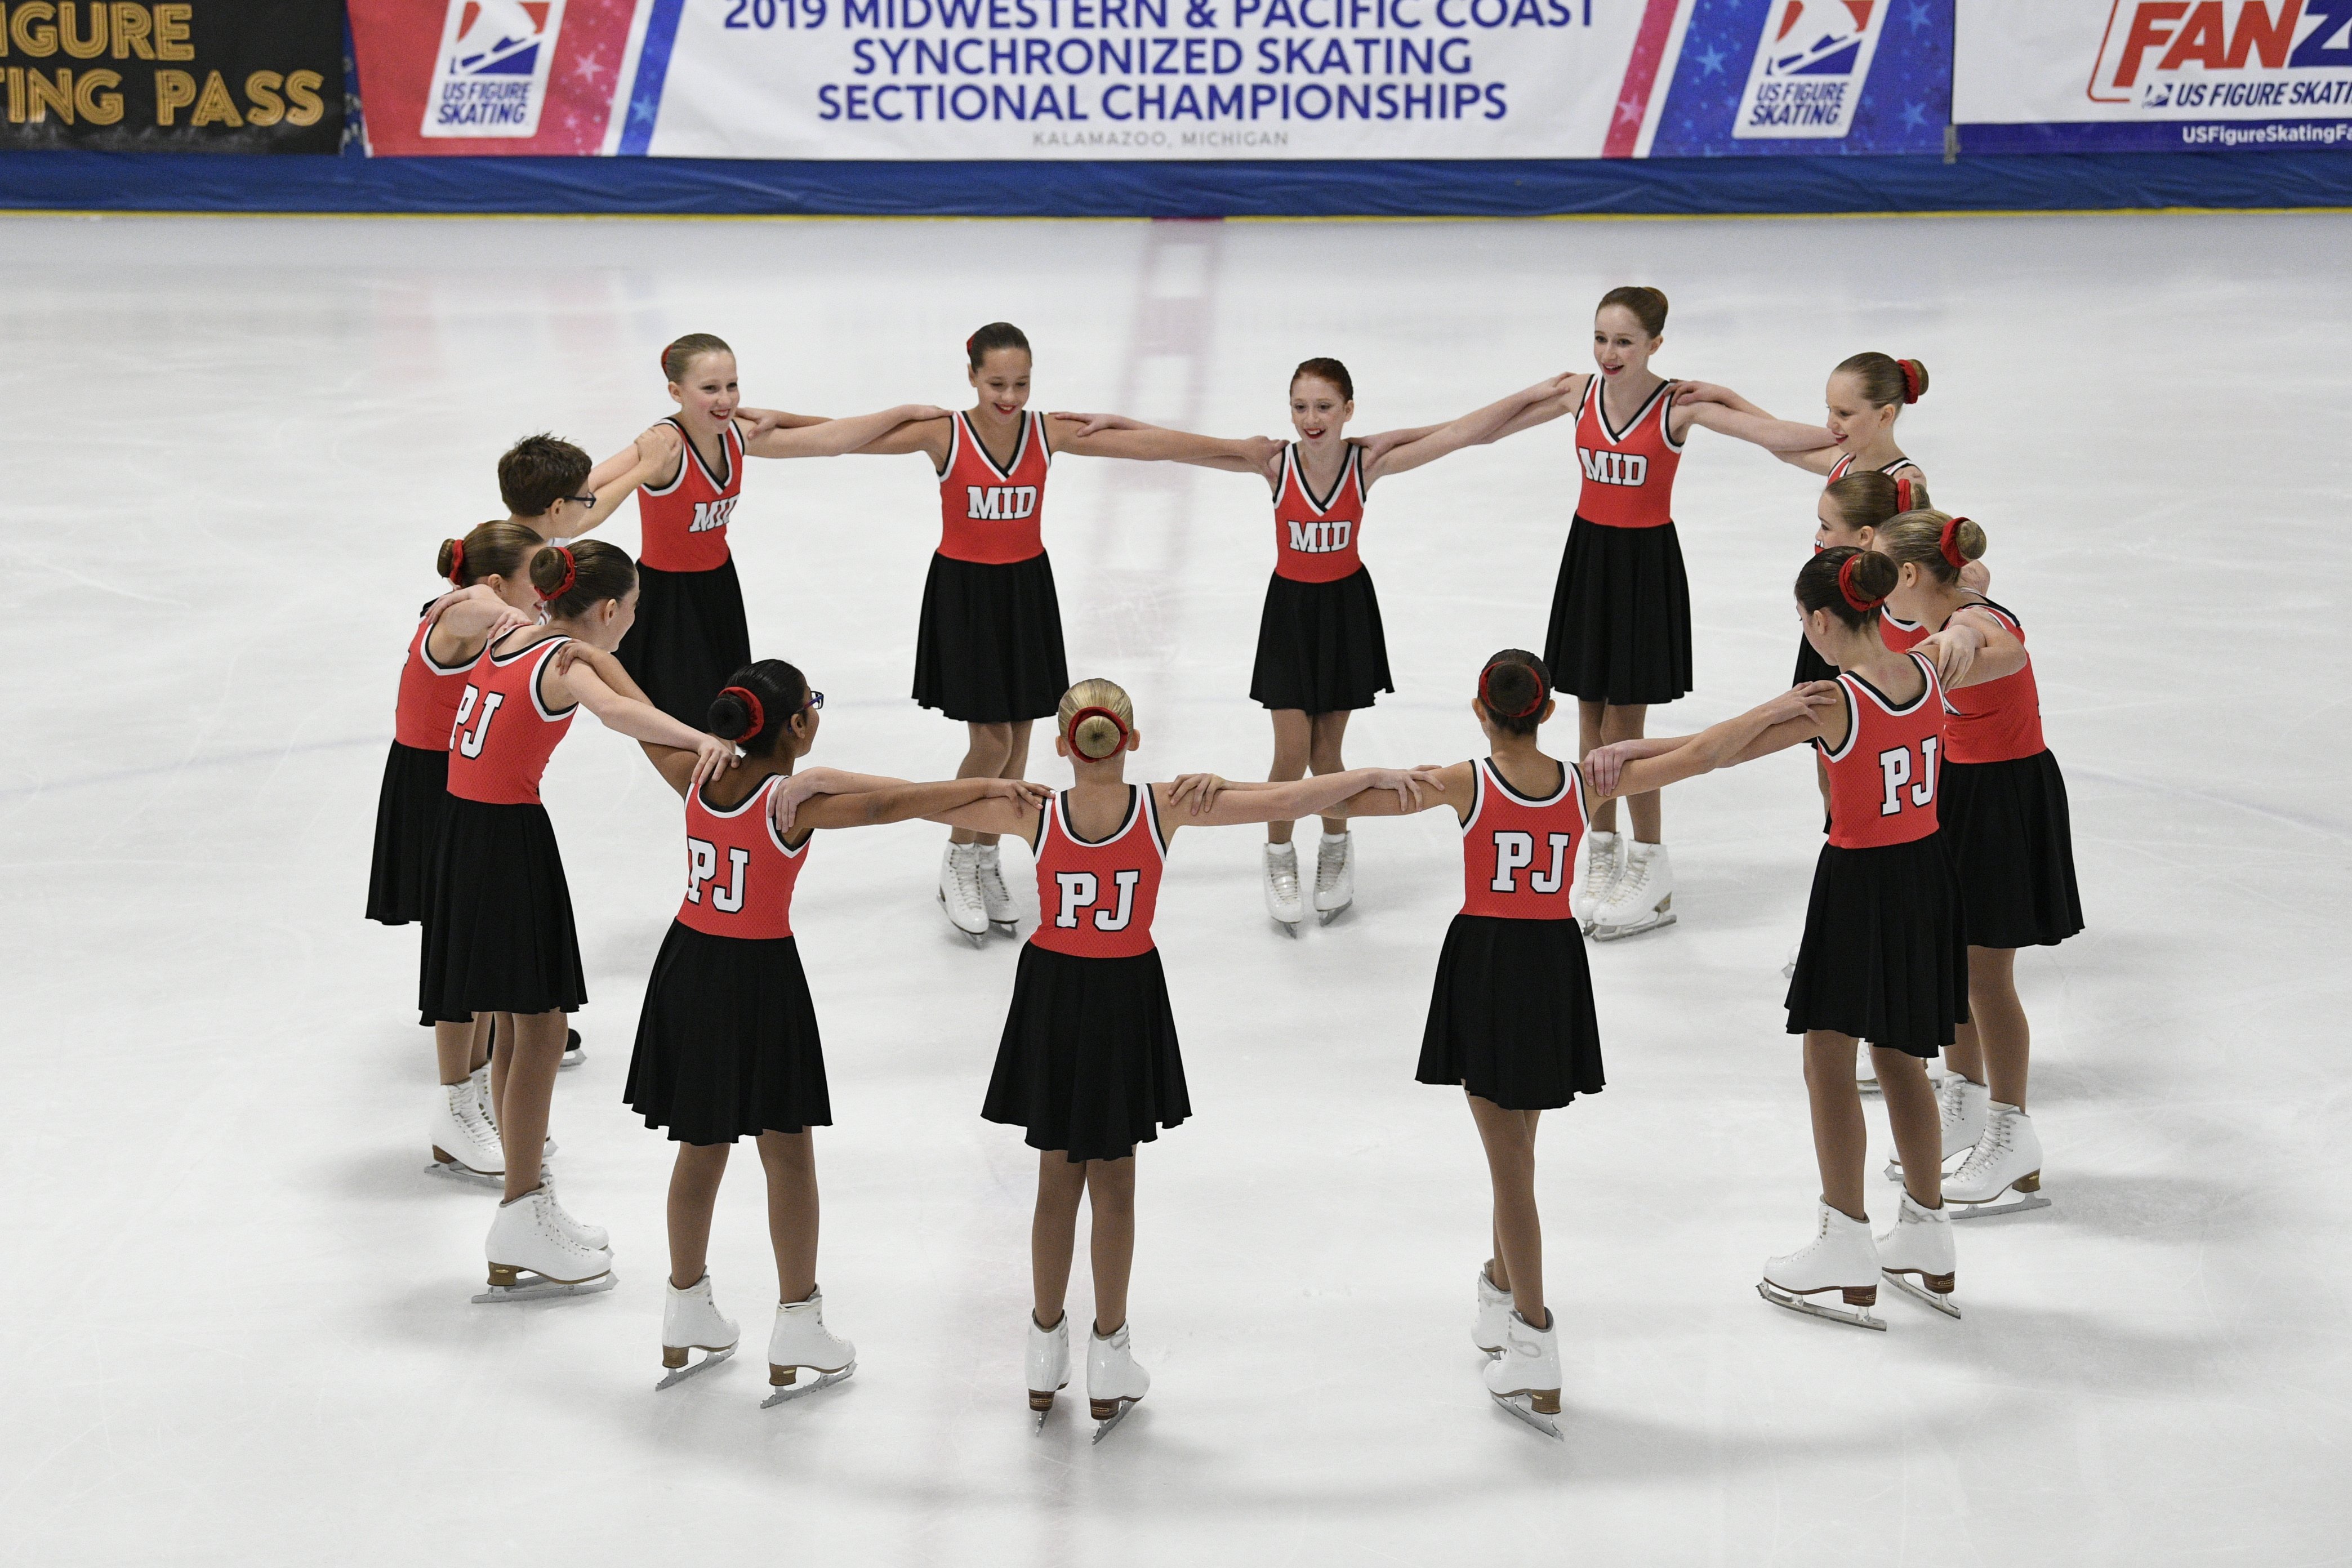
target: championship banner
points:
(940, 80)
(2043, 76)
(182, 76)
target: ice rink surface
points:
(234, 1315)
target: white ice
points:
(234, 1315)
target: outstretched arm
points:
(638, 720)
(832, 437)
(1207, 800)
(1549, 409)
(1758, 428)
(763, 420)
(1456, 787)
(1116, 436)
(656, 457)
(1475, 428)
(895, 800)
(1795, 716)
(1973, 647)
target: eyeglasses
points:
(816, 699)
(582, 500)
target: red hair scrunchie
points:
(1853, 596)
(1903, 495)
(1910, 380)
(751, 699)
(1080, 717)
(1949, 542)
(571, 575)
(457, 563)
(1485, 694)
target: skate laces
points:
(1286, 877)
(1995, 1143)
(967, 873)
(1330, 859)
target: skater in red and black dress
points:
(1088, 1064)
(727, 1042)
(1321, 650)
(500, 922)
(1511, 1020)
(1620, 639)
(989, 649)
(2003, 816)
(690, 632)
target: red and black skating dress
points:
(1088, 1062)
(2004, 811)
(1884, 958)
(499, 935)
(1320, 646)
(691, 636)
(1811, 665)
(1510, 1019)
(989, 649)
(414, 798)
(727, 1043)
(1620, 623)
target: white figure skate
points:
(1335, 876)
(1605, 861)
(1916, 1255)
(995, 898)
(1866, 1071)
(2002, 1174)
(1843, 1257)
(1494, 1316)
(592, 1236)
(1049, 1365)
(690, 1321)
(1643, 899)
(960, 897)
(573, 1053)
(1525, 1379)
(466, 1147)
(532, 1255)
(802, 1343)
(1114, 1381)
(481, 1081)
(1282, 901)
(1962, 1107)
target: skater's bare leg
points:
(502, 1038)
(988, 748)
(1110, 1196)
(1294, 747)
(1911, 1111)
(1839, 1138)
(538, 1053)
(693, 1194)
(1323, 756)
(1053, 1231)
(790, 1160)
(453, 1051)
(1510, 1139)
(1995, 1047)
(1627, 724)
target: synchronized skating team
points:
(1948, 841)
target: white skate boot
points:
(996, 900)
(573, 1055)
(1335, 876)
(1525, 1379)
(1920, 1245)
(1049, 1365)
(1963, 1108)
(590, 1235)
(1643, 899)
(1114, 1381)
(2002, 1174)
(801, 1341)
(466, 1147)
(1282, 899)
(1843, 1258)
(690, 1321)
(531, 1253)
(480, 1079)
(1494, 1315)
(1604, 861)
(960, 897)
(1866, 1071)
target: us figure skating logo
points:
(491, 76)
(1811, 63)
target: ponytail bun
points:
(451, 561)
(1968, 539)
(553, 570)
(1848, 584)
(572, 579)
(736, 714)
(1915, 379)
(1648, 305)
(1096, 719)
(1873, 576)
(1513, 689)
(756, 708)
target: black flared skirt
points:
(727, 1043)
(1811, 665)
(1884, 957)
(1621, 618)
(2012, 847)
(409, 810)
(989, 650)
(498, 934)
(1320, 646)
(1510, 1019)
(689, 637)
(1089, 1062)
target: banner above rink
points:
(2034, 76)
(953, 80)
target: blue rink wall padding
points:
(78, 180)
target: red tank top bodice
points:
(739, 873)
(429, 693)
(682, 526)
(503, 732)
(1518, 855)
(1844, 466)
(1096, 900)
(1316, 542)
(1629, 475)
(988, 514)
(1899, 635)
(1999, 720)
(1883, 780)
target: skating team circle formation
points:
(1946, 848)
